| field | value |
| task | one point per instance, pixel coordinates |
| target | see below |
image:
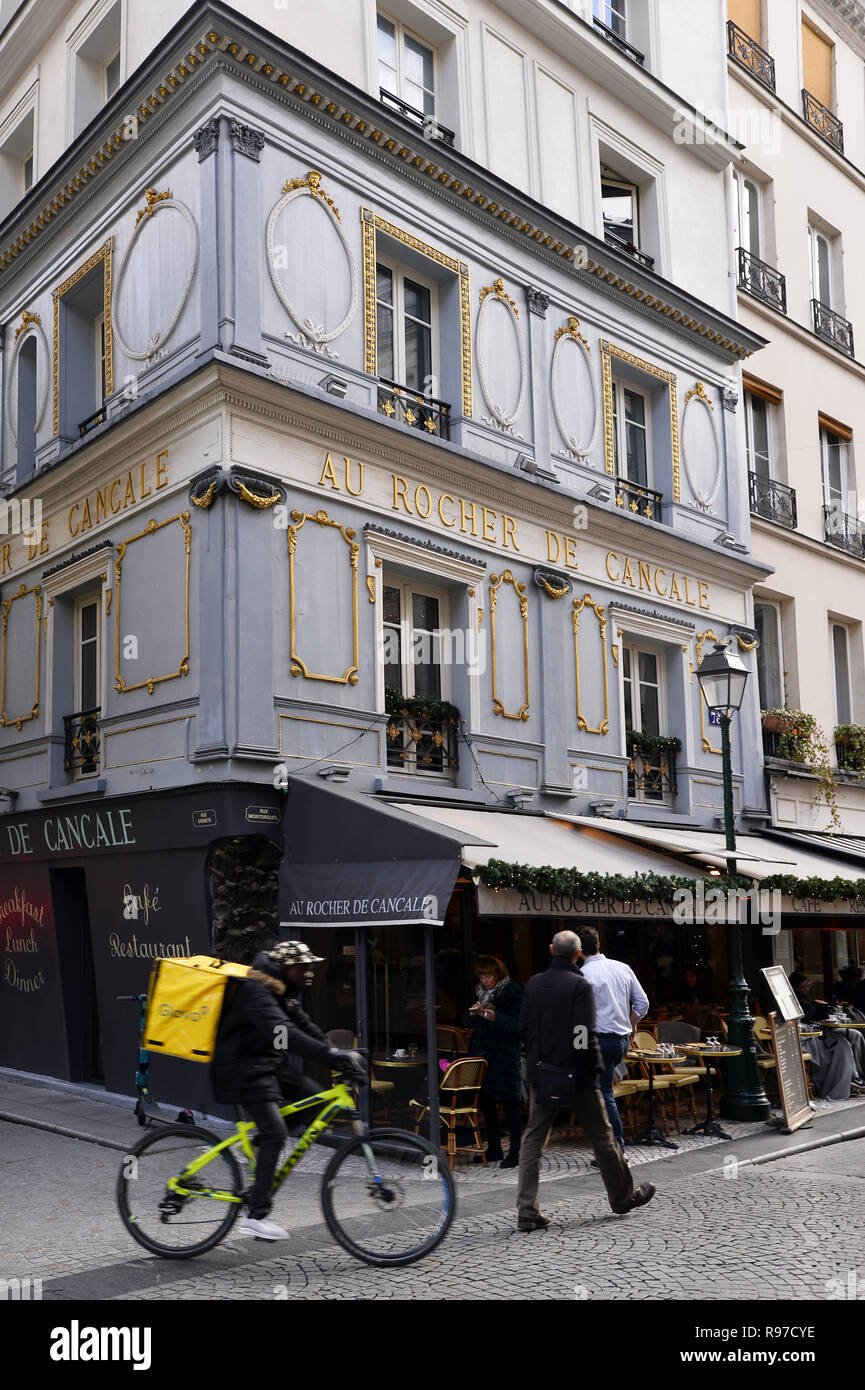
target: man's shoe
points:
(495, 1155)
(642, 1194)
(512, 1160)
(262, 1228)
(533, 1223)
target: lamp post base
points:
(745, 1106)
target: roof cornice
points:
(212, 33)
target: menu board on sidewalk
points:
(791, 1072)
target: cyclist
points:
(261, 1025)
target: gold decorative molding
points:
(745, 646)
(498, 289)
(205, 501)
(254, 499)
(313, 183)
(20, 719)
(614, 649)
(26, 319)
(371, 223)
(298, 666)
(701, 638)
(151, 198)
(104, 254)
(370, 584)
(183, 669)
(552, 589)
(608, 352)
(600, 613)
(571, 329)
(519, 589)
(702, 395)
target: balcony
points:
(431, 128)
(614, 238)
(773, 501)
(403, 404)
(844, 531)
(820, 118)
(642, 501)
(832, 328)
(749, 55)
(91, 422)
(422, 735)
(762, 281)
(651, 767)
(618, 42)
(850, 749)
(81, 736)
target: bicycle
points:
(146, 1107)
(381, 1189)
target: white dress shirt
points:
(618, 994)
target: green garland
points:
(647, 744)
(496, 873)
(419, 706)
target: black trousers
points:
(271, 1134)
(490, 1112)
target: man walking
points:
(620, 1003)
(557, 1024)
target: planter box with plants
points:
(422, 733)
(850, 748)
(796, 737)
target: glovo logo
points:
(194, 1015)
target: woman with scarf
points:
(495, 1016)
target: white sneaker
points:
(261, 1227)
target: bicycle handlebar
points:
(130, 997)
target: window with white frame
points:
(613, 15)
(83, 361)
(17, 139)
(758, 436)
(632, 415)
(841, 670)
(406, 67)
(641, 678)
(95, 63)
(421, 737)
(770, 662)
(651, 764)
(620, 205)
(839, 477)
(407, 329)
(88, 668)
(822, 278)
(747, 210)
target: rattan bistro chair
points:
(459, 1090)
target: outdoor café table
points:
(710, 1124)
(651, 1134)
(834, 1023)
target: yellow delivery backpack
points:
(184, 1004)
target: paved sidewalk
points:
(98, 1117)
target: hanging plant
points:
(649, 745)
(802, 740)
(850, 746)
(420, 706)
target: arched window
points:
(26, 408)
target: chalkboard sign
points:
(791, 1073)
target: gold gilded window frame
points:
(600, 613)
(700, 639)
(496, 582)
(20, 719)
(105, 254)
(371, 223)
(183, 669)
(298, 666)
(608, 352)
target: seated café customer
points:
(495, 1015)
(833, 1064)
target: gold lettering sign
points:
(644, 577)
(127, 490)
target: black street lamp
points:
(723, 678)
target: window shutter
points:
(746, 13)
(817, 65)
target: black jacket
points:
(557, 1006)
(261, 1029)
(498, 1041)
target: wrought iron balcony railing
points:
(420, 412)
(832, 328)
(844, 531)
(748, 54)
(614, 238)
(651, 770)
(762, 280)
(81, 734)
(92, 421)
(772, 500)
(821, 119)
(432, 129)
(642, 501)
(422, 743)
(618, 42)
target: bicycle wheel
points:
(166, 1223)
(388, 1197)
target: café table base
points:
(709, 1127)
(653, 1135)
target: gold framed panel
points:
(20, 719)
(298, 666)
(105, 254)
(600, 613)
(701, 638)
(496, 583)
(608, 352)
(183, 669)
(371, 223)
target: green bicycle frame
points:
(334, 1101)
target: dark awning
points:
(351, 861)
